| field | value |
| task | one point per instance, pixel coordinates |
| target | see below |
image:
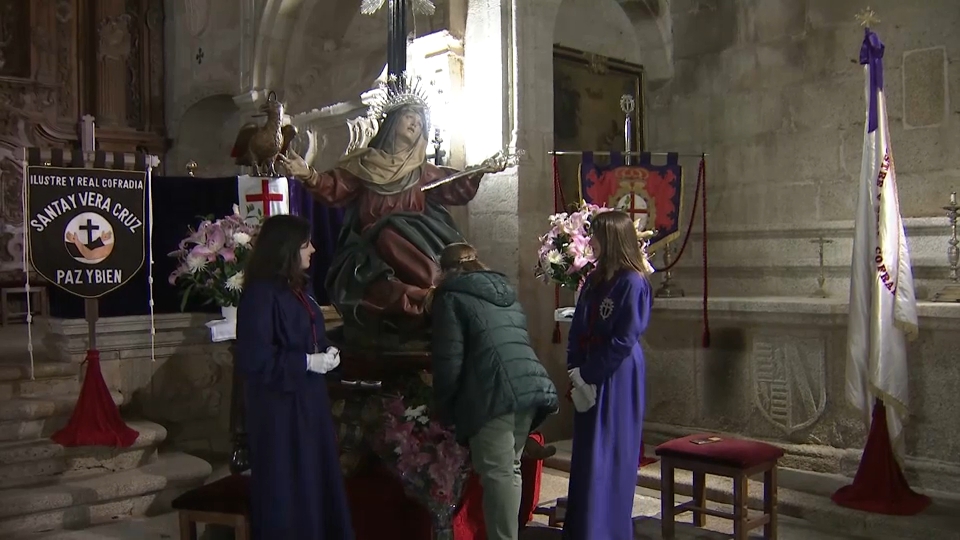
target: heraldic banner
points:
(650, 193)
(86, 227)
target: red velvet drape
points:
(879, 485)
(96, 419)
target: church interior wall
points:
(771, 90)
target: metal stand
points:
(666, 289)
(821, 292)
(239, 456)
(951, 292)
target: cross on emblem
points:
(199, 56)
(89, 228)
(606, 308)
(266, 197)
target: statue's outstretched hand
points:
(502, 160)
(295, 166)
(495, 163)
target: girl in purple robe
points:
(606, 367)
(296, 487)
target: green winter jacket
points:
(483, 363)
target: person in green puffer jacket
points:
(487, 380)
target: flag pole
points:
(882, 309)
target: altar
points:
(775, 370)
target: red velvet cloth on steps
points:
(96, 419)
(879, 485)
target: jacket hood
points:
(486, 285)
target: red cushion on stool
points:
(733, 452)
(230, 495)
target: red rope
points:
(703, 218)
(557, 205)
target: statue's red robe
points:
(415, 271)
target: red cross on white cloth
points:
(263, 196)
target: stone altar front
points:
(775, 370)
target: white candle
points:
(953, 198)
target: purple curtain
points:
(326, 222)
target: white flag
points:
(883, 306)
(262, 197)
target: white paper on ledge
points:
(222, 330)
(564, 314)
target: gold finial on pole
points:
(867, 17)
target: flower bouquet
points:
(565, 256)
(425, 455)
(211, 260)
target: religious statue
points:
(258, 146)
(395, 226)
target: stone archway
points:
(205, 134)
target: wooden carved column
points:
(38, 103)
(126, 67)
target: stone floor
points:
(554, 485)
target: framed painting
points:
(586, 110)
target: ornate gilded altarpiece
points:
(586, 109)
(59, 60)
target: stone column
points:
(534, 24)
(487, 127)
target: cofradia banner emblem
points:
(86, 227)
(650, 193)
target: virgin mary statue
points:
(385, 264)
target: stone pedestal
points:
(776, 370)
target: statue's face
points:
(409, 127)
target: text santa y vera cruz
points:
(86, 199)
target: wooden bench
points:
(704, 454)
(224, 502)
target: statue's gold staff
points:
(500, 161)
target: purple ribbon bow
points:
(871, 52)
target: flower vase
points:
(229, 313)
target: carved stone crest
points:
(789, 380)
(115, 41)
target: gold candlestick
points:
(821, 291)
(191, 167)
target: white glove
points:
(323, 362)
(584, 395)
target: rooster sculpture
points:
(258, 146)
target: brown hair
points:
(619, 246)
(460, 258)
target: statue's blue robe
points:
(605, 344)
(297, 489)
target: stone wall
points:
(775, 370)
(774, 92)
(186, 388)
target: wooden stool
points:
(38, 303)
(705, 454)
(224, 502)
